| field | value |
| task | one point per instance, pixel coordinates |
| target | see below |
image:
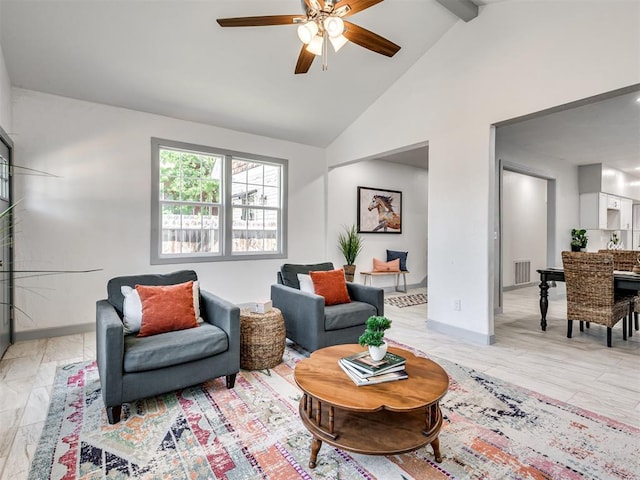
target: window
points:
(210, 204)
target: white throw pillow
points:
(196, 301)
(306, 284)
(132, 307)
(132, 310)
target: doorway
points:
(526, 226)
(6, 244)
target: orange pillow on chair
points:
(331, 285)
(380, 266)
(166, 308)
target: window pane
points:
(170, 187)
(272, 175)
(271, 197)
(190, 229)
(190, 177)
(255, 230)
(243, 195)
(191, 191)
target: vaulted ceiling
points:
(172, 58)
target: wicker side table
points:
(262, 339)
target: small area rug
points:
(402, 301)
(492, 430)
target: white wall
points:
(343, 183)
(5, 92)
(524, 224)
(96, 213)
(515, 58)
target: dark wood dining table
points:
(621, 281)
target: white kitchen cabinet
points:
(613, 203)
(626, 213)
(600, 211)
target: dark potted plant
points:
(579, 239)
(350, 244)
(373, 336)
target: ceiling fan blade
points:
(355, 6)
(314, 4)
(370, 40)
(260, 21)
(305, 59)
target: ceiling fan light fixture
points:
(307, 31)
(338, 42)
(334, 26)
(315, 46)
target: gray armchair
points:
(310, 323)
(132, 367)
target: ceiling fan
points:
(323, 24)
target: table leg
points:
(331, 417)
(316, 443)
(436, 449)
(544, 303)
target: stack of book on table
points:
(363, 370)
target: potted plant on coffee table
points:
(579, 239)
(373, 336)
(350, 244)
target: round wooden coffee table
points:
(382, 419)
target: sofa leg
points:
(624, 329)
(231, 380)
(609, 337)
(581, 326)
(569, 328)
(113, 414)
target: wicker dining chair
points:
(625, 260)
(591, 295)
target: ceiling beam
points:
(464, 9)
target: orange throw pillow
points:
(331, 285)
(380, 266)
(166, 308)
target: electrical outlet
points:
(457, 305)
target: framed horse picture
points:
(379, 211)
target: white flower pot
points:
(378, 353)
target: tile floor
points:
(580, 371)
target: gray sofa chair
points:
(310, 323)
(132, 368)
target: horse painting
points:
(387, 218)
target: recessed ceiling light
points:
(638, 100)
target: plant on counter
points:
(579, 239)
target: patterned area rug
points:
(492, 430)
(406, 300)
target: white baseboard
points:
(36, 334)
(461, 333)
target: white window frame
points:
(226, 206)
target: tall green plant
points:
(350, 244)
